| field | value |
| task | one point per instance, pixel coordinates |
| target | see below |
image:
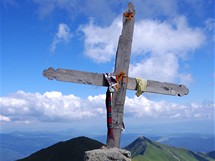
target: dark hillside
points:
(65, 151)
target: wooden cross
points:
(121, 65)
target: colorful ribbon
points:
(109, 114)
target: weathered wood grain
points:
(122, 62)
(160, 87)
(88, 78)
(74, 76)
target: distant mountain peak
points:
(144, 139)
(138, 147)
(144, 149)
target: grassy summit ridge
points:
(143, 149)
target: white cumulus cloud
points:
(54, 106)
(63, 35)
(50, 106)
(100, 43)
(159, 37)
(158, 46)
(141, 107)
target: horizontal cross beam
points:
(97, 79)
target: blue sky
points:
(173, 42)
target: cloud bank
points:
(54, 107)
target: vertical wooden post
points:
(122, 65)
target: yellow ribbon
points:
(141, 86)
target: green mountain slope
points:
(143, 149)
(65, 151)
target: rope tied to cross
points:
(128, 15)
(114, 81)
(119, 79)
